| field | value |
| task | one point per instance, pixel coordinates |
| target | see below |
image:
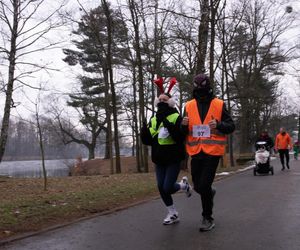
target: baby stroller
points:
(262, 159)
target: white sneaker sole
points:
(171, 222)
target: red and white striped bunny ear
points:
(159, 81)
(172, 82)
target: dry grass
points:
(24, 206)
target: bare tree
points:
(142, 152)
(151, 24)
(70, 134)
(253, 55)
(39, 130)
(22, 38)
(41, 143)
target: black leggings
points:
(284, 153)
(203, 172)
(166, 177)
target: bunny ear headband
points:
(159, 82)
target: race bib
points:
(163, 133)
(201, 131)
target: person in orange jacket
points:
(205, 125)
(283, 144)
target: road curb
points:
(51, 228)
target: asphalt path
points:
(251, 212)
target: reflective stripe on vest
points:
(194, 143)
(215, 144)
(163, 141)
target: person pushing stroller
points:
(263, 146)
(264, 137)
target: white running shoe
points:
(187, 187)
(171, 218)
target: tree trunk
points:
(226, 81)
(41, 148)
(115, 122)
(112, 169)
(299, 127)
(107, 153)
(203, 36)
(212, 42)
(214, 5)
(112, 87)
(144, 149)
(91, 150)
(108, 118)
(230, 137)
(245, 140)
(10, 83)
(157, 58)
(135, 120)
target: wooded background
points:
(117, 49)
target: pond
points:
(33, 169)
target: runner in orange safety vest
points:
(205, 125)
(214, 143)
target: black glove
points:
(145, 123)
(166, 122)
(160, 115)
(144, 129)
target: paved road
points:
(251, 212)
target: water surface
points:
(34, 168)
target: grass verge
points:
(26, 207)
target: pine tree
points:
(97, 51)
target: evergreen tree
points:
(97, 51)
(253, 90)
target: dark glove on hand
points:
(166, 122)
(144, 128)
(160, 115)
(145, 123)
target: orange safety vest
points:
(283, 141)
(213, 145)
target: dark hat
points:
(201, 81)
(264, 132)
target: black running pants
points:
(284, 153)
(203, 172)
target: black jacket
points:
(225, 126)
(163, 155)
(267, 139)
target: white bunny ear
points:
(156, 101)
(171, 103)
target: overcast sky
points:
(62, 81)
